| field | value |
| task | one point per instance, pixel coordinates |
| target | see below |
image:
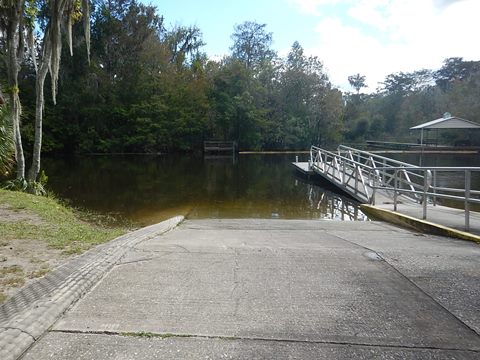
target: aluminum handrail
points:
(362, 173)
(384, 163)
(433, 192)
(375, 156)
(358, 165)
(343, 171)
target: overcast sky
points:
(371, 37)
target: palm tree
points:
(357, 82)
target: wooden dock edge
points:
(417, 224)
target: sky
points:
(371, 37)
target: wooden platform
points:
(217, 147)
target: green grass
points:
(14, 269)
(140, 334)
(38, 273)
(15, 281)
(61, 227)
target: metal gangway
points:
(371, 179)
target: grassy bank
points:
(39, 233)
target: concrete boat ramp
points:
(262, 289)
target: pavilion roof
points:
(447, 122)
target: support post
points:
(374, 190)
(468, 183)
(421, 148)
(425, 188)
(395, 188)
(356, 179)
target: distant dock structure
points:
(303, 167)
(220, 148)
(468, 128)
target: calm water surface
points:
(438, 159)
(148, 189)
(447, 179)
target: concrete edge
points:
(417, 224)
(27, 318)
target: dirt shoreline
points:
(24, 260)
(37, 234)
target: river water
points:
(446, 179)
(148, 189)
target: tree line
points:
(404, 100)
(149, 88)
(138, 86)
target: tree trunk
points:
(13, 44)
(19, 157)
(39, 105)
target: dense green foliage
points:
(408, 99)
(31, 32)
(150, 89)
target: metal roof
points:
(450, 122)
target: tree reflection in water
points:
(149, 189)
(334, 206)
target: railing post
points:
(356, 179)
(395, 188)
(425, 188)
(374, 189)
(468, 183)
(434, 187)
(384, 171)
(334, 167)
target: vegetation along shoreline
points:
(40, 233)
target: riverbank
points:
(38, 234)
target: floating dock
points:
(304, 168)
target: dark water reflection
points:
(446, 179)
(148, 189)
(438, 160)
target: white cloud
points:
(346, 51)
(311, 7)
(369, 12)
(445, 3)
(380, 37)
